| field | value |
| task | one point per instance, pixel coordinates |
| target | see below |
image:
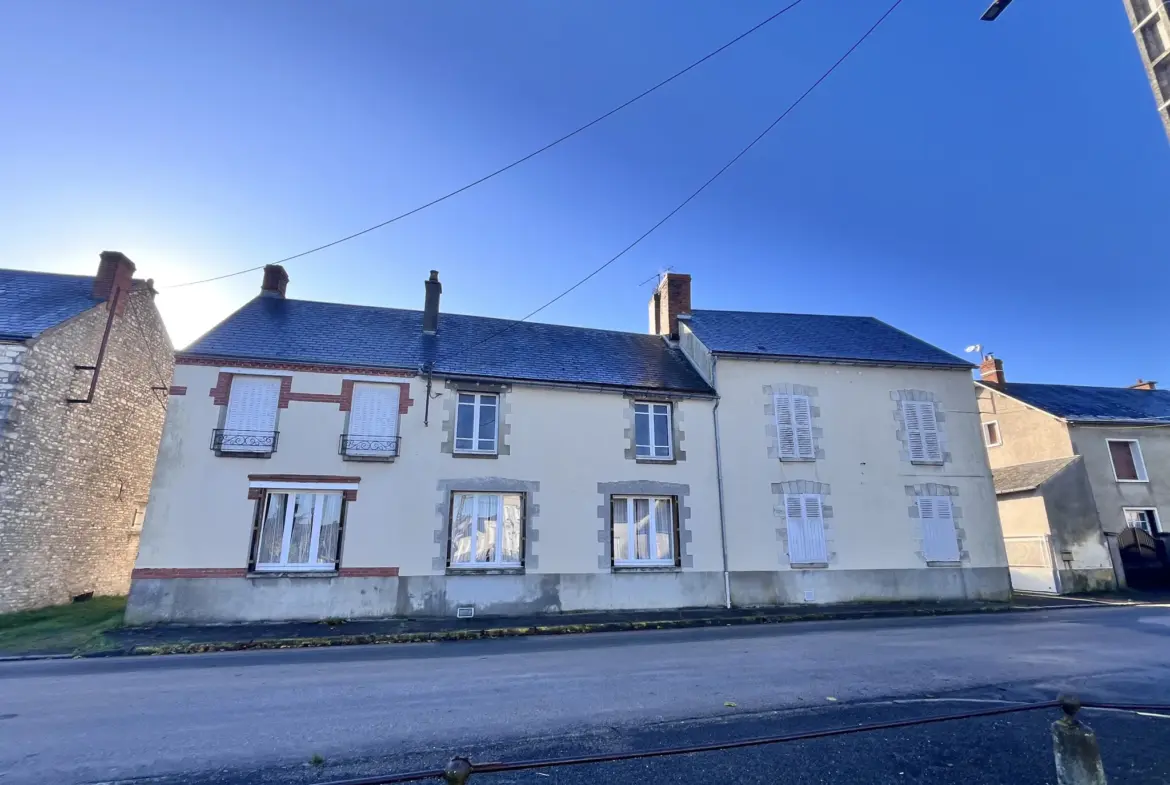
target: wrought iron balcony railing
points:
(228, 440)
(358, 446)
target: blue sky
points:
(968, 182)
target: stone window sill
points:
(369, 458)
(799, 460)
(475, 454)
(810, 566)
(620, 568)
(234, 454)
(317, 574)
(662, 461)
(928, 463)
(944, 564)
(484, 571)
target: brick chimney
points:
(275, 281)
(115, 277)
(671, 298)
(430, 323)
(1143, 385)
(991, 370)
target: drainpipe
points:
(719, 485)
(96, 368)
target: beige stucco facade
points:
(868, 481)
(1027, 435)
(565, 448)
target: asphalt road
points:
(260, 716)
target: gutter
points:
(719, 487)
(842, 361)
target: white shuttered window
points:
(373, 420)
(794, 427)
(250, 423)
(806, 528)
(922, 437)
(939, 541)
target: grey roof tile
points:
(1092, 404)
(270, 328)
(1028, 476)
(814, 336)
(32, 302)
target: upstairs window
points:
(1146, 520)
(940, 541)
(922, 436)
(1128, 465)
(643, 531)
(476, 423)
(652, 431)
(299, 532)
(794, 427)
(373, 421)
(991, 435)
(486, 530)
(249, 424)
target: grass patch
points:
(61, 629)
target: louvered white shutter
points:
(802, 420)
(939, 541)
(785, 426)
(373, 420)
(914, 442)
(806, 529)
(251, 413)
(931, 443)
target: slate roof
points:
(1028, 476)
(32, 302)
(815, 337)
(271, 328)
(1092, 404)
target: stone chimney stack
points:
(1143, 385)
(430, 324)
(671, 298)
(991, 370)
(115, 277)
(275, 281)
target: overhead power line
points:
(700, 189)
(515, 163)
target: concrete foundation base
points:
(211, 600)
(1082, 581)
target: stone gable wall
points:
(73, 476)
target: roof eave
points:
(763, 356)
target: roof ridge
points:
(1079, 386)
(471, 316)
(785, 313)
(45, 273)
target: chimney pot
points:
(671, 298)
(991, 370)
(275, 281)
(1143, 385)
(430, 324)
(115, 276)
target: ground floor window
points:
(1146, 520)
(643, 531)
(487, 530)
(298, 531)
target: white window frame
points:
(939, 503)
(497, 562)
(805, 545)
(998, 434)
(918, 408)
(286, 535)
(631, 558)
(654, 408)
(1156, 523)
(477, 407)
(1139, 462)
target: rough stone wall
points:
(10, 357)
(73, 476)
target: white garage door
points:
(1030, 564)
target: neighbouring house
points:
(326, 460)
(1075, 469)
(85, 363)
